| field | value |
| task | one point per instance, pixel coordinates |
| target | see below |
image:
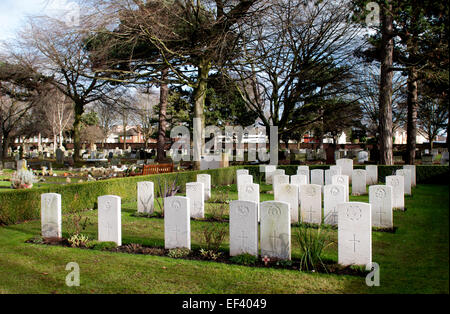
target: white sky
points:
(14, 13)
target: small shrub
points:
(210, 254)
(179, 252)
(102, 246)
(78, 240)
(38, 239)
(167, 190)
(312, 242)
(213, 235)
(244, 259)
(284, 263)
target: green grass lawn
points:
(413, 260)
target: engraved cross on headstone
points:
(310, 211)
(243, 238)
(334, 215)
(274, 239)
(380, 213)
(354, 242)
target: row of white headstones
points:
(354, 219)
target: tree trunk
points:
(5, 145)
(79, 110)
(163, 101)
(411, 129)
(387, 51)
(199, 103)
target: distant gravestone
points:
(21, 164)
(343, 180)
(359, 180)
(250, 192)
(363, 156)
(354, 233)
(59, 156)
(329, 173)
(412, 168)
(177, 224)
(145, 197)
(406, 173)
(243, 228)
(195, 193)
(311, 203)
(381, 199)
(279, 179)
(109, 219)
(372, 174)
(304, 170)
(276, 230)
(51, 215)
(206, 180)
(244, 179)
(333, 195)
(239, 173)
(289, 193)
(346, 166)
(269, 169)
(299, 180)
(317, 177)
(398, 191)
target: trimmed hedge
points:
(20, 205)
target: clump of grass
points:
(312, 243)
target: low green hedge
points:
(21, 205)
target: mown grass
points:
(412, 260)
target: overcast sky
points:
(13, 13)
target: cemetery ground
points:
(414, 259)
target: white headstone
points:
(329, 173)
(299, 180)
(244, 179)
(412, 168)
(177, 224)
(317, 176)
(269, 170)
(109, 219)
(145, 197)
(398, 190)
(372, 174)
(51, 215)
(406, 173)
(333, 195)
(250, 192)
(346, 166)
(239, 173)
(276, 230)
(337, 168)
(195, 193)
(354, 234)
(243, 228)
(359, 180)
(381, 199)
(279, 179)
(206, 180)
(343, 180)
(289, 193)
(311, 203)
(304, 170)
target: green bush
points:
(179, 252)
(101, 246)
(21, 205)
(244, 259)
